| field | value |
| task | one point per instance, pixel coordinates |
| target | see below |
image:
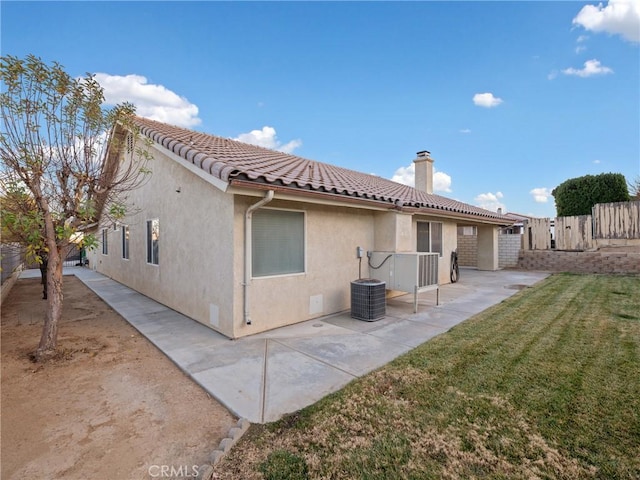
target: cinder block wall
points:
(509, 250)
(580, 262)
(467, 250)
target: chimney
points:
(424, 171)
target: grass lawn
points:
(544, 385)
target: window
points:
(153, 239)
(105, 241)
(277, 238)
(124, 231)
(430, 237)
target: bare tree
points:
(634, 189)
(67, 163)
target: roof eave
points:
(291, 193)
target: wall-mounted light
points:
(178, 190)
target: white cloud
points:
(619, 17)
(407, 176)
(541, 194)
(267, 138)
(465, 130)
(596, 162)
(152, 101)
(441, 182)
(580, 49)
(490, 201)
(486, 100)
(591, 67)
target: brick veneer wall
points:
(509, 250)
(580, 262)
(467, 250)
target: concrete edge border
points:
(8, 284)
(205, 472)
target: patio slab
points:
(265, 376)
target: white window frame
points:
(125, 239)
(440, 253)
(151, 259)
(105, 241)
(304, 245)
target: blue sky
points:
(511, 98)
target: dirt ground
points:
(109, 406)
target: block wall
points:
(509, 250)
(580, 262)
(467, 250)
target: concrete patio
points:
(265, 376)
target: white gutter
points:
(247, 251)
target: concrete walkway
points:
(265, 376)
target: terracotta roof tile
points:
(229, 159)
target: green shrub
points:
(577, 196)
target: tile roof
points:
(231, 160)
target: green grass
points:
(544, 385)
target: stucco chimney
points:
(424, 171)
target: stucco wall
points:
(332, 235)
(487, 247)
(195, 271)
(394, 232)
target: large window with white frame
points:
(105, 241)
(429, 237)
(124, 232)
(278, 242)
(153, 241)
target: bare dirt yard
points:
(109, 406)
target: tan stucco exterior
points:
(201, 270)
(331, 236)
(195, 271)
(488, 247)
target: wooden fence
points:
(609, 225)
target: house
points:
(245, 239)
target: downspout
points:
(247, 251)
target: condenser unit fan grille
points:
(368, 299)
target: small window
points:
(105, 241)
(124, 231)
(153, 241)
(429, 237)
(278, 242)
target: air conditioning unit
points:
(412, 272)
(368, 299)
